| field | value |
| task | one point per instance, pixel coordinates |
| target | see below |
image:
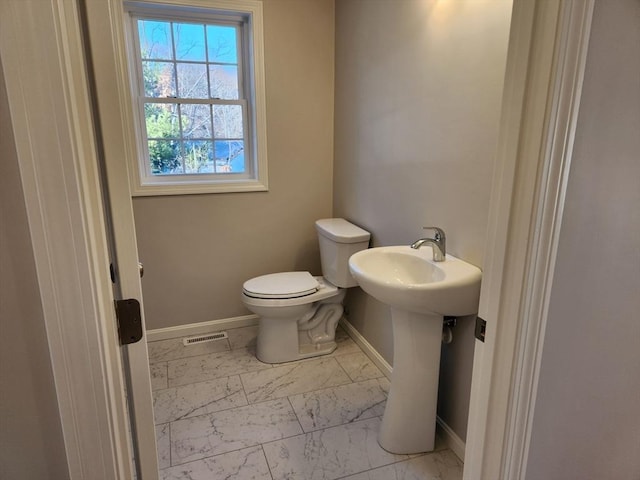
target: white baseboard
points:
(449, 437)
(367, 348)
(201, 328)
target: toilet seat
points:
(281, 285)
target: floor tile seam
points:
(242, 347)
(217, 378)
(226, 410)
(373, 468)
(296, 415)
(315, 431)
(316, 358)
(348, 422)
(266, 461)
(303, 433)
(410, 456)
(355, 378)
(334, 388)
(152, 362)
(368, 378)
(200, 381)
(337, 353)
(220, 454)
(261, 445)
(351, 382)
(303, 361)
(228, 349)
(170, 452)
(244, 389)
(248, 350)
(203, 381)
(300, 360)
(156, 362)
(297, 364)
(360, 352)
(166, 376)
(203, 414)
(170, 448)
(344, 370)
(334, 354)
(393, 462)
(306, 391)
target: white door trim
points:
(538, 124)
(106, 48)
(41, 48)
(568, 76)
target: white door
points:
(115, 146)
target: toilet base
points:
(306, 351)
(292, 352)
(310, 350)
(283, 340)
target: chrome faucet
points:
(438, 244)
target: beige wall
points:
(586, 422)
(418, 92)
(199, 249)
(31, 443)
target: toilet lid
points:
(281, 285)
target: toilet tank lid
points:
(341, 231)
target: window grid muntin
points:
(182, 139)
(239, 27)
(241, 56)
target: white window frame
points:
(249, 12)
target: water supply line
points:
(447, 325)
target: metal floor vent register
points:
(209, 337)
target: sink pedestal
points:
(409, 420)
(410, 280)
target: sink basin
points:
(420, 292)
(409, 279)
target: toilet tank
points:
(339, 240)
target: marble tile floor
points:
(222, 414)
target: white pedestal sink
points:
(420, 292)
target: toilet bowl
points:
(298, 313)
(292, 324)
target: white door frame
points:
(109, 75)
(543, 82)
(51, 115)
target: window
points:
(198, 94)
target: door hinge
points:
(129, 320)
(481, 328)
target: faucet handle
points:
(440, 236)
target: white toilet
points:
(298, 312)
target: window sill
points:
(182, 188)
